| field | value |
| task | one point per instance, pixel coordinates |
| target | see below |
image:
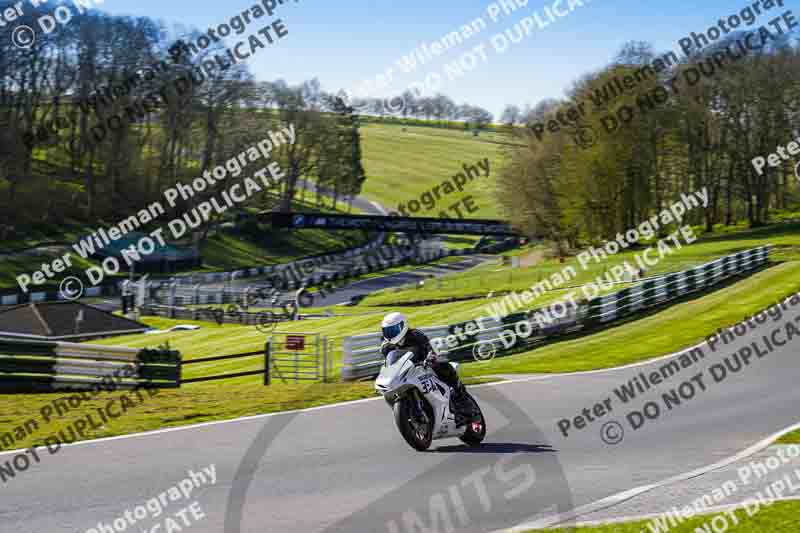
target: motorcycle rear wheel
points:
(476, 429)
(418, 434)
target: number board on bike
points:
(427, 383)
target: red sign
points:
(295, 342)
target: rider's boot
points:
(459, 400)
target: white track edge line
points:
(638, 518)
(203, 424)
(620, 497)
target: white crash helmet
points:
(394, 327)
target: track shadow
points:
(498, 448)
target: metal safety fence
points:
(298, 356)
(289, 357)
(46, 366)
(232, 314)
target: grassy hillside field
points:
(402, 162)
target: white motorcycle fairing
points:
(400, 374)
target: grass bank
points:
(781, 517)
(403, 162)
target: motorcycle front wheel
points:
(418, 432)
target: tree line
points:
(567, 185)
(56, 168)
(96, 120)
(601, 171)
(411, 104)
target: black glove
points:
(431, 359)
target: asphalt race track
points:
(346, 468)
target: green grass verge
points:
(662, 333)
(193, 403)
(791, 438)
(247, 396)
(781, 517)
(658, 334)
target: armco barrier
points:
(219, 315)
(44, 366)
(217, 277)
(662, 289)
(362, 358)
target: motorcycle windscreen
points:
(394, 356)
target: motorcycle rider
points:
(397, 335)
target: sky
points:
(343, 43)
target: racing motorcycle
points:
(422, 406)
